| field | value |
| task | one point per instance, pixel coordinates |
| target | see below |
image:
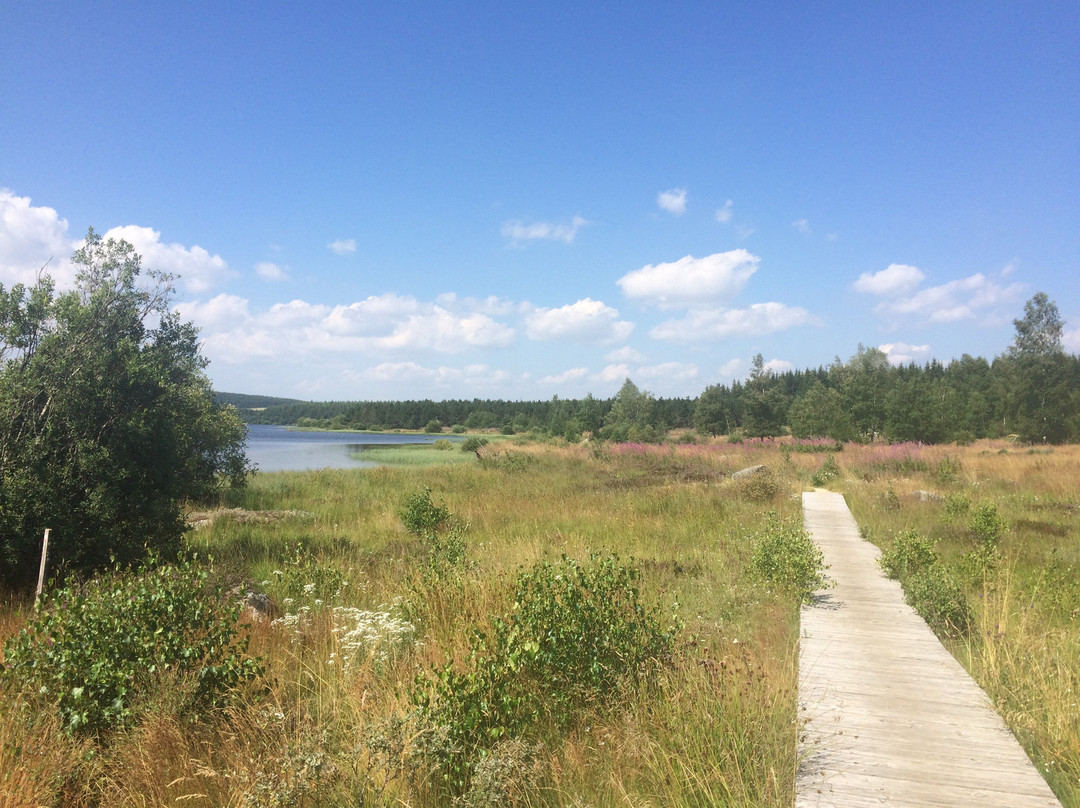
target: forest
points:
(1031, 393)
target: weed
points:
(421, 516)
(956, 505)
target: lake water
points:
(278, 448)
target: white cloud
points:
(897, 279)
(518, 232)
(673, 201)
(667, 372)
(625, 354)
(571, 376)
(217, 314)
(586, 320)
(617, 372)
(32, 237)
(270, 272)
(196, 268)
(724, 214)
(343, 246)
(757, 319)
(1070, 340)
(438, 330)
(744, 231)
(900, 353)
(691, 281)
(778, 366)
(802, 226)
(949, 302)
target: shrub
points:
(473, 443)
(433, 427)
(940, 601)
(576, 635)
(910, 554)
(987, 526)
(443, 445)
(94, 651)
(956, 505)
(458, 429)
(786, 556)
(827, 472)
(420, 515)
(761, 487)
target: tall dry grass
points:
(717, 727)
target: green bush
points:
(576, 636)
(473, 443)
(761, 487)
(96, 651)
(910, 554)
(443, 445)
(303, 581)
(940, 601)
(826, 473)
(433, 427)
(420, 515)
(786, 556)
(987, 526)
(458, 429)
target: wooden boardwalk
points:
(890, 717)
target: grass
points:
(329, 724)
(714, 726)
(1024, 589)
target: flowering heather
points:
(902, 458)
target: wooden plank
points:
(889, 716)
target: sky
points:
(444, 200)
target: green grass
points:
(416, 455)
(714, 724)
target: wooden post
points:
(41, 571)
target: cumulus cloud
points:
(691, 281)
(343, 246)
(625, 354)
(586, 320)
(33, 237)
(195, 267)
(1070, 340)
(382, 325)
(724, 214)
(667, 372)
(571, 376)
(778, 366)
(897, 279)
(673, 201)
(270, 272)
(900, 353)
(950, 302)
(754, 320)
(518, 232)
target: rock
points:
(750, 471)
(927, 496)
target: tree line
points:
(1031, 392)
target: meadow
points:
(556, 624)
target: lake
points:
(278, 448)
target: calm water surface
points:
(277, 448)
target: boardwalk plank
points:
(890, 717)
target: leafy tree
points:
(820, 414)
(107, 420)
(1038, 333)
(765, 405)
(631, 415)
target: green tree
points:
(631, 415)
(764, 403)
(1038, 333)
(820, 413)
(107, 420)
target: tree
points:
(107, 420)
(1039, 332)
(631, 415)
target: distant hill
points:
(244, 401)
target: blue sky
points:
(449, 200)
